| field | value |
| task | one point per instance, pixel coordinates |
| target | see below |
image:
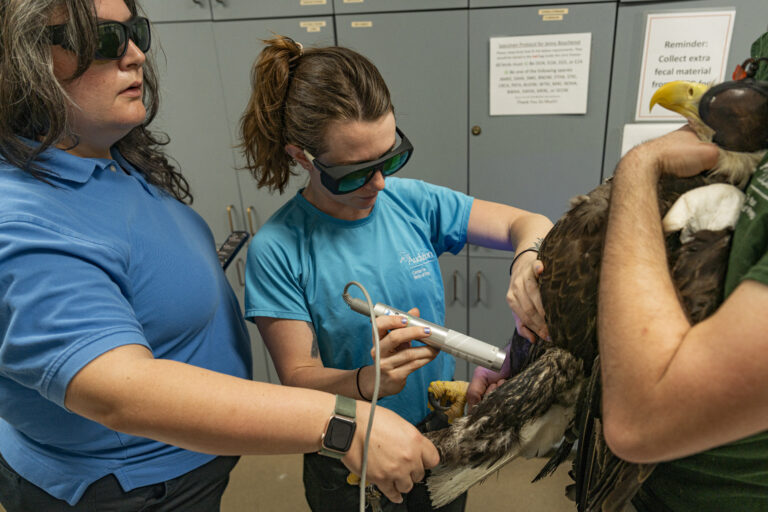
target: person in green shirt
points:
(692, 396)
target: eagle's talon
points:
(452, 393)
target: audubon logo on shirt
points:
(418, 263)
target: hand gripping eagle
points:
(556, 394)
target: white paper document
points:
(690, 46)
(635, 134)
(544, 74)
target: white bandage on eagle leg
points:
(712, 207)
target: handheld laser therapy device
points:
(447, 340)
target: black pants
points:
(327, 490)
(199, 490)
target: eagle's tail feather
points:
(446, 483)
(525, 416)
(562, 453)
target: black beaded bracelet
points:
(357, 379)
(531, 249)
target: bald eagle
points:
(556, 394)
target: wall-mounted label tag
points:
(313, 2)
(553, 14)
(361, 24)
(353, 1)
(312, 26)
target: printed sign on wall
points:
(690, 46)
(635, 134)
(535, 75)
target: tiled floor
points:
(273, 484)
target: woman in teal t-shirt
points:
(329, 111)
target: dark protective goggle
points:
(738, 113)
(111, 37)
(342, 179)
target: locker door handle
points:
(221, 2)
(455, 286)
(238, 266)
(199, 2)
(249, 212)
(229, 216)
(478, 280)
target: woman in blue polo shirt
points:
(329, 110)
(124, 361)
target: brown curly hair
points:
(33, 103)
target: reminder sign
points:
(545, 74)
(690, 46)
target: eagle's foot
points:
(712, 207)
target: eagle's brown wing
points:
(571, 254)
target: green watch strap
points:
(345, 406)
(330, 453)
(343, 418)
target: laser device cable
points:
(376, 382)
(447, 340)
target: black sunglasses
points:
(342, 179)
(112, 37)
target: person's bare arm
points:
(499, 226)
(671, 389)
(295, 352)
(128, 390)
(505, 227)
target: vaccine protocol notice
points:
(544, 74)
(690, 46)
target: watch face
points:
(338, 436)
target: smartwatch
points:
(338, 435)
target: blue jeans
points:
(327, 490)
(200, 490)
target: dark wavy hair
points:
(296, 94)
(33, 103)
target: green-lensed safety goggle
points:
(112, 37)
(342, 179)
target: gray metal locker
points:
(423, 58)
(454, 271)
(537, 162)
(490, 318)
(193, 115)
(246, 9)
(357, 6)
(177, 10)
(515, 3)
(238, 43)
(750, 22)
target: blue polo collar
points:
(68, 167)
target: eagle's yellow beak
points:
(681, 97)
